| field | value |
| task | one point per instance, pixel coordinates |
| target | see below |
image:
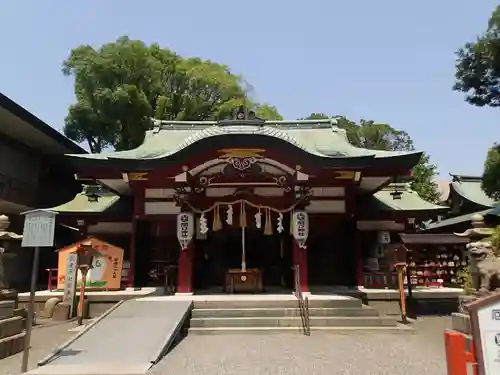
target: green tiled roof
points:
(80, 204)
(469, 187)
(410, 200)
(318, 137)
(458, 219)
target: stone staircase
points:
(266, 316)
(11, 330)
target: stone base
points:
(11, 326)
(461, 322)
(11, 345)
(8, 295)
(61, 312)
(6, 309)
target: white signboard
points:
(39, 226)
(300, 225)
(489, 327)
(185, 229)
(70, 282)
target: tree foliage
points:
(376, 136)
(478, 66)
(478, 75)
(121, 85)
(491, 174)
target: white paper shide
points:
(384, 237)
(489, 326)
(300, 223)
(185, 229)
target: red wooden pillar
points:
(185, 272)
(131, 269)
(138, 192)
(350, 193)
(300, 259)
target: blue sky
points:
(387, 60)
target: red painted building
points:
(246, 201)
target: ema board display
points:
(107, 266)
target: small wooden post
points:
(81, 301)
(400, 269)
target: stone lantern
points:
(7, 240)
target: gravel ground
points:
(44, 338)
(359, 353)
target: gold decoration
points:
(344, 175)
(216, 225)
(137, 176)
(243, 278)
(268, 227)
(291, 223)
(243, 216)
(229, 153)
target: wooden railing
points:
(303, 303)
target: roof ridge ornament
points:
(242, 116)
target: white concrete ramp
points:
(128, 341)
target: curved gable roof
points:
(316, 137)
(469, 188)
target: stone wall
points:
(11, 330)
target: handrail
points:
(303, 303)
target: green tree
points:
(121, 85)
(478, 76)
(267, 112)
(375, 136)
(491, 174)
(478, 66)
(423, 181)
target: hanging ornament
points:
(229, 215)
(279, 226)
(268, 227)
(185, 229)
(203, 224)
(243, 216)
(216, 224)
(258, 219)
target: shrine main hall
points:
(249, 205)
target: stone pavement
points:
(44, 338)
(370, 353)
(373, 353)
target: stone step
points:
(367, 321)
(11, 326)
(6, 309)
(293, 330)
(243, 330)
(11, 345)
(345, 302)
(282, 312)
